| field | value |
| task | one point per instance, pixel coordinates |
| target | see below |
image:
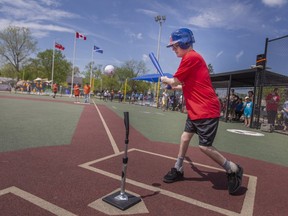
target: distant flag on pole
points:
(97, 49)
(59, 46)
(80, 36)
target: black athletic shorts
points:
(205, 128)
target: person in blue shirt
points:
(239, 109)
(248, 106)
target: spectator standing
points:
(233, 104)
(120, 96)
(239, 109)
(285, 113)
(272, 101)
(164, 100)
(106, 95)
(55, 89)
(86, 90)
(29, 88)
(251, 95)
(112, 95)
(77, 92)
(248, 106)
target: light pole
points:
(159, 19)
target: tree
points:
(77, 72)
(132, 69)
(210, 68)
(8, 71)
(87, 71)
(41, 66)
(16, 45)
(116, 81)
(110, 82)
(137, 68)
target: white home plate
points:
(245, 132)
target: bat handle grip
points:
(126, 122)
(169, 87)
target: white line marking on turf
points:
(249, 200)
(112, 141)
(245, 132)
(248, 203)
(36, 201)
(159, 113)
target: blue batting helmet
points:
(183, 36)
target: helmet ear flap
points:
(184, 45)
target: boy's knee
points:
(186, 137)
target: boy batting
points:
(203, 108)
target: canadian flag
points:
(59, 46)
(81, 36)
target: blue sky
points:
(228, 33)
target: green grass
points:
(161, 126)
(30, 123)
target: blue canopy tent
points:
(151, 77)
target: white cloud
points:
(231, 15)
(277, 19)
(33, 10)
(39, 16)
(147, 12)
(207, 19)
(139, 36)
(219, 54)
(274, 3)
(133, 36)
(39, 30)
(50, 2)
(239, 55)
(145, 57)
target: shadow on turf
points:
(149, 195)
(218, 179)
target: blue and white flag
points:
(97, 49)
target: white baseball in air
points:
(109, 69)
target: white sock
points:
(179, 164)
(234, 167)
(229, 166)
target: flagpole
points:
(72, 77)
(91, 65)
(52, 76)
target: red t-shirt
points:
(55, 88)
(272, 101)
(86, 89)
(76, 90)
(200, 97)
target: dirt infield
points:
(72, 179)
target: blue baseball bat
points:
(156, 63)
(157, 66)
